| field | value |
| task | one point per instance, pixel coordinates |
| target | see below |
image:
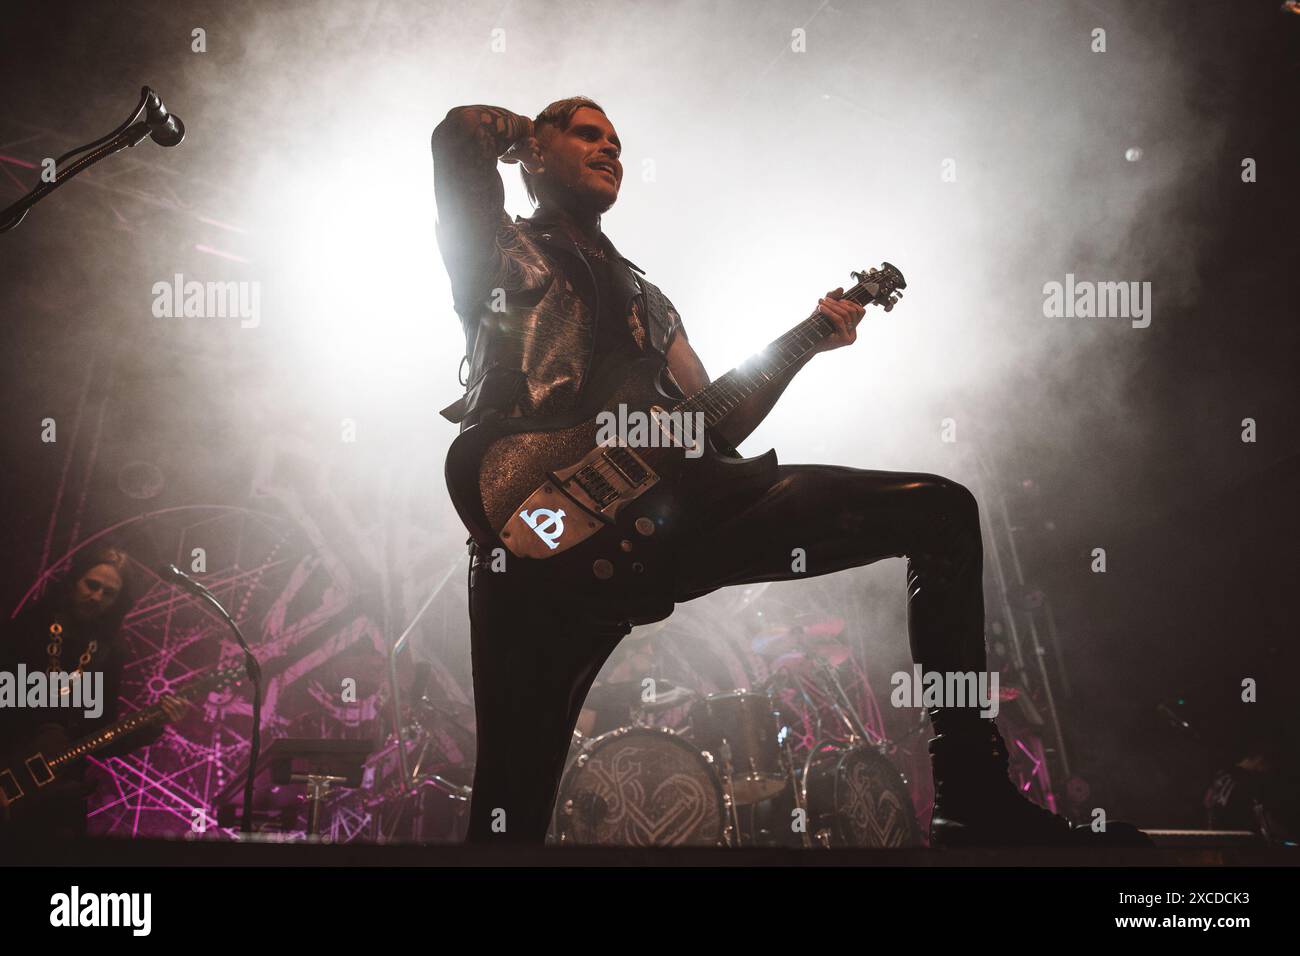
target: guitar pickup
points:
(10, 786)
(39, 770)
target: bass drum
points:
(640, 786)
(855, 798)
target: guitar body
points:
(26, 774)
(605, 520)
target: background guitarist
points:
(541, 301)
(75, 624)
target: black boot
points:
(975, 803)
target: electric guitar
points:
(25, 776)
(571, 503)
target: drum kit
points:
(788, 762)
(731, 775)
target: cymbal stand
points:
(991, 490)
(407, 778)
(800, 804)
(728, 793)
(844, 708)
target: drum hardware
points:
(729, 791)
(743, 722)
(799, 802)
(321, 765)
(841, 704)
(406, 778)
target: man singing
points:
(572, 301)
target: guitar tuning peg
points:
(889, 305)
(898, 295)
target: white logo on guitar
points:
(551, 524)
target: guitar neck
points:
(97, 741)
(719, 398)
(147, 717)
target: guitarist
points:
(75, 626)
(541, 301)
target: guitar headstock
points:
(215, 679)
(883, 287)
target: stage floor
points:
(214, 853)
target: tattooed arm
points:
(469, 193)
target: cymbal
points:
(812, 636)
(746, 596)
(810, 656)
(627, 693)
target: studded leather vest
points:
(530, 343)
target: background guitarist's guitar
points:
(24, 777)
(602, 520)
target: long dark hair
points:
(60, 594)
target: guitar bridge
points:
(596, 486)
(628, 465)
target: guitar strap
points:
(657, 319)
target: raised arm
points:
(470, 196)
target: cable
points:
(145, 93)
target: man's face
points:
(96, 592)
(582, 169)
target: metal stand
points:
(166, 131)
(407, 775)
(318, 787)
(729, 796)
(799, 802)
(1006, 587)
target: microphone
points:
(174, 575)
(165, 129)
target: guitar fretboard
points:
(142, 718)
(719, 398)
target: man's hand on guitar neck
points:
(845, 314)
(174, 707)
(688, 371)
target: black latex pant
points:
(535, 654)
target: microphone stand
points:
(165, 132)
(254, 671)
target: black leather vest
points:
(529, 344)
